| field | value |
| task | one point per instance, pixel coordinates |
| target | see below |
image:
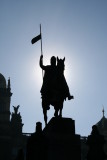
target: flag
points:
(35, 39)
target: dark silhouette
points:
(20, 155)
(57, 141)
(96, 145)
(16, 122)
(16, 109)
(54, 89)
(36, 145)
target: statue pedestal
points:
(62, 142)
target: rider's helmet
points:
(53, 60)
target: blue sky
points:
(71, 28)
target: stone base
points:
(62, 142)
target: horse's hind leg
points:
(45, 116)
(45, 106)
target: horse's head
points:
(60, 64)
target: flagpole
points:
(41, 40)
(41, 47)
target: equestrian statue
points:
(54, 89)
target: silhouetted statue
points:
(16, 109)
(16, 122)
(96, 145)
(54, 89)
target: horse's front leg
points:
(60, 113)
(45, 116)
(56, 113)
(45, 107)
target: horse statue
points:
(58, 90)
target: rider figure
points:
(50, 77)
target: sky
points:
(74, 29)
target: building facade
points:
(11, 136)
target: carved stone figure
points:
(16, 109)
